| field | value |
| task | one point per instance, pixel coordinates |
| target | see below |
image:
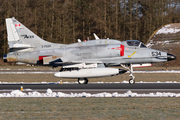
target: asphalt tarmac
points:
(95, 88)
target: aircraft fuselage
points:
(110, 52)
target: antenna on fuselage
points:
(96, 37)
(78, 40)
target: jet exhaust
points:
(10, 57)
(5, 58)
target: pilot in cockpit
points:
(136, 43)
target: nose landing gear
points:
(132, 80)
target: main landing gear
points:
(82, 80)
(132, 80)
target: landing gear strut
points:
(82, 80)
(132, 80)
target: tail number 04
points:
(156, 53)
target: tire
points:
(82, 80)
(86, 80)
(131, 81)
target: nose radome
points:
(170, 57)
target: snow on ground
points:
(50, 93)
(23, 69)
(162, 71)
(167, 29)
(26, 72)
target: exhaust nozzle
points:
(5, 58)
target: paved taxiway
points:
(96, 88)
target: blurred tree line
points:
(65, 21)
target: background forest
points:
(65, 21)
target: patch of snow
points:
(168, 25)
(165, 42)
(162, 71)
(166, 30)
(43, 82)
(125, 81)
(50, 93)
(26, 72)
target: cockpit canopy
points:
(136, 43)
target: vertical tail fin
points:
(21, 37)
(13, 36)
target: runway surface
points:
(96, 88)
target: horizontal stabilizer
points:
(22, 46)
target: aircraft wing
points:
(56, 60)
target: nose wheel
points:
(131, 81)
(83, 81)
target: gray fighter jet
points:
(81, 60)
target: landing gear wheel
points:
(131, 81)
(83, 81)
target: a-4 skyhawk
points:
(81, 60)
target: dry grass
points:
(21, 67)
(154, 77)
(90, 108)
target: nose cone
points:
(170, 57)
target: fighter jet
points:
(81, 60)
